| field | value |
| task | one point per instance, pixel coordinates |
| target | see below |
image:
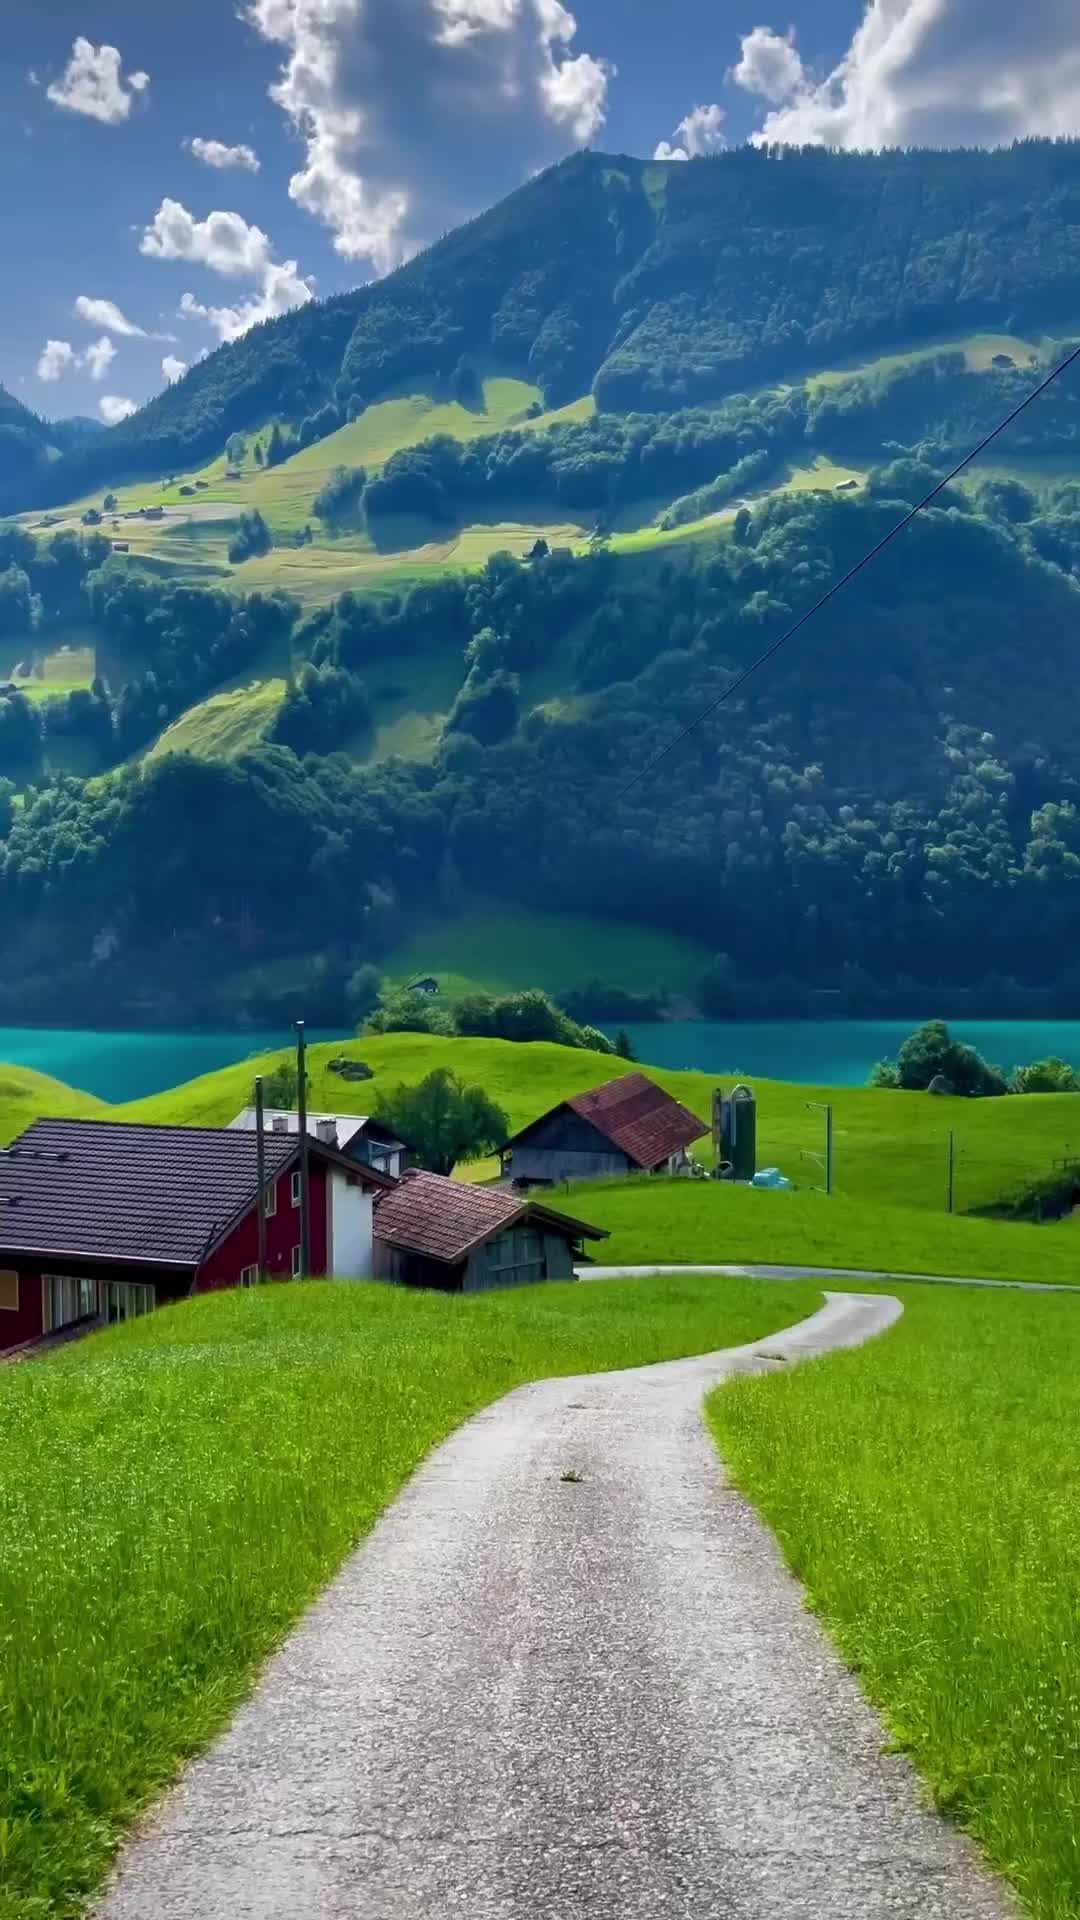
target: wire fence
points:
(964, 1168)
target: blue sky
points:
(331, 137)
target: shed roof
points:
(445, 1219)
(638, 1118)
(149, 1196)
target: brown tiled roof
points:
(639, 1118)
(446, 1219)
(160, 1196)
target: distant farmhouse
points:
(456, 1238)
(355, 1135)
(628, 1126)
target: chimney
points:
(326, 1131)
(279, 1123)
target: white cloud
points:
(99, 358)
(223, 241)
(769, 65)
(462, 20)
(113, 408)
(57, 358)
(214, 153)
(573, 86)
(365, 223)
(366, 83)
(93, 83)
(172, 369)
(105, 313)
(283, 289)
(702, 132)
(926, 73)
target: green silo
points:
(737, 1132)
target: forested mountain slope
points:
(652, 285)
(897, 799)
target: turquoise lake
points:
(125, 1066)
(836, 1053)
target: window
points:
(124, 1300)
(270, 1201)
(296, 1188)
(9, 1293)
(68, 1300)
(296, 1263)
(249, 1276)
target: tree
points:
(252, 537)
(7, 807)
(277, 451)
(624, 1045)
(258, 453)
(281, 1087)
(235, 449)
(443, 1120)
(717, 990)
(400, 1010)
(1045, 1076)
(932, 1052)
(20, 607)
(110, 503)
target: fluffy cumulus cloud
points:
(172, 369)
(57, 358)
(99, 357)
(113, 407)
(282, 288)
(376, 88)
(214, 153)
(926, 73)
(700, 132)
(106, 314)
(93, 83)
(223, 241)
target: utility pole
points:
(301, 1101)
(260, 1175)
(824, 1160)
(950, 1199)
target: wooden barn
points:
(104, 1222)
(630, 1125)
(457, 1238)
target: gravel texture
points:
(566, 1678)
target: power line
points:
(838, 585)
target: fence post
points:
(950, 1199)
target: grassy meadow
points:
(175, 1491)
(886, 1213)
(926, 1492)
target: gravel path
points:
(534, 1697)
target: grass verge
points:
(926, 1491)
(175, 1491)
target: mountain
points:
(502, 525)
(651, 285)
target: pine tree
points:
(275, 452)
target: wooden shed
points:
(456, 1238)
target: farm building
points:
(355, 1135)
(433, 1232)
(629, 1125)
(103, 1221)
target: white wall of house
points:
(350, 1251)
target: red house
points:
(104, 1221)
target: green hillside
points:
(887, 1210)
(649, 286)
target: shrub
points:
(252, 537)
(1045, 1076)
(932, 1053)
